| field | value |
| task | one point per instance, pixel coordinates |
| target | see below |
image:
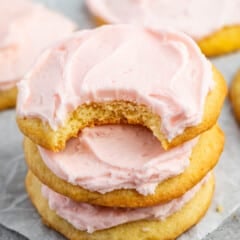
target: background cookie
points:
(215, 33)
(234, 94)
(27, 28)
(224, 41)
(8, 98)
(204, 158)
(169, 228)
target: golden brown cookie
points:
(204, 157)
(170, 228)
(8, 98)
(234, 94)
(121, 112)
(224, 41)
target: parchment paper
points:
(17, 213)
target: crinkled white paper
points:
(16, 211)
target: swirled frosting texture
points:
(26, 28)
(163, 70)
(90, 218)
(196, 18)
(106, 158)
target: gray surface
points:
(230, 230)
(7, 234)
(10, 134)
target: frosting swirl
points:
(163, 70)
(106, 158)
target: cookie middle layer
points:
(111, 157)
(204, 157)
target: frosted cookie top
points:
(196, 18)
(26, 28)
(163, 70)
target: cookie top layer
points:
(163, 70)
(26, 28)
(87, 217)
(128, 155)
(196, 18)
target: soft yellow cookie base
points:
(234, 94)
(167, 229)
(121, 112)
(8, 98)
(204, 157)
(223, 41)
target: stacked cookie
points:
(120, 133)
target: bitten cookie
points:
(234, 94)
(214, 26)
(26, 29)
(169, 228)
(204, 157)
(120, 74)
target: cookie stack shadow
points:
(153, 199)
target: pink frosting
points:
(106, 158)
(197, 18)
(25, 30)
(90, 218)
(7, 85)
(164, 70)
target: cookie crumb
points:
(236, 218)
(219, 208)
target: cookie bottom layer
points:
(169, 228)
(234, 94)
(8, 98)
